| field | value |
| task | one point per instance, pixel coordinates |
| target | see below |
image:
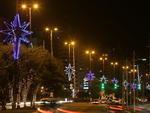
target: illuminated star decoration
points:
(114, 81)
(69, 71)
(125, 84)
(103, 79)
(16, 34)
(90, 76)
(133, 86)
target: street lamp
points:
(125, 80)
(72, 43)
(30, 7)
(90, 53)
(103, 58)
(50, 31)
(114, 64)
(133, 71)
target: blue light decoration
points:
(69, 71)
(16, 34)
(133, 86)
(115, 82)
(90, 76)
(125, 84)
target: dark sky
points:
(101, 24)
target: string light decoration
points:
(125, 84)
(115, 82)
(103, 79)
(90, 76)
(16, 34)
(133, 86)
(69, 71)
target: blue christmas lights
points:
(16, 34)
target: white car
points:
(95, 101)
(116, 101)
(103, 101)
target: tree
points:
(34, 68)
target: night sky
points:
(101, 24)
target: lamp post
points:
(72, 43)
(50, 31)
(114, 64)
(103, 58)
(133, 71)
(30, 7)
(125, 90)
(90, 53)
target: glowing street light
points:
(90, 53)
(103, 58)
(125, 84)
(114, 64)
(24, 6)
(72, 43)
(30, 7)
(35, 6)
(50, 31)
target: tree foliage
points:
(35, 64)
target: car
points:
(116, 101)
(95, 101)
(103, 101)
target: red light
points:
(67, 111)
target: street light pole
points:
(133, 80)
(114, 64)
(47, 29)
(125, 90)
(34, 6)
(51, 38)
(90, 59)
(72, 43)
(74, 82)
(30, 18)
(103, 58)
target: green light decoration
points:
(115, 83)
(102, 86)
(103, 81)
(116, 86)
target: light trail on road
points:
(67, 111)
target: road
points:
(86, 108)
(96, 108)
